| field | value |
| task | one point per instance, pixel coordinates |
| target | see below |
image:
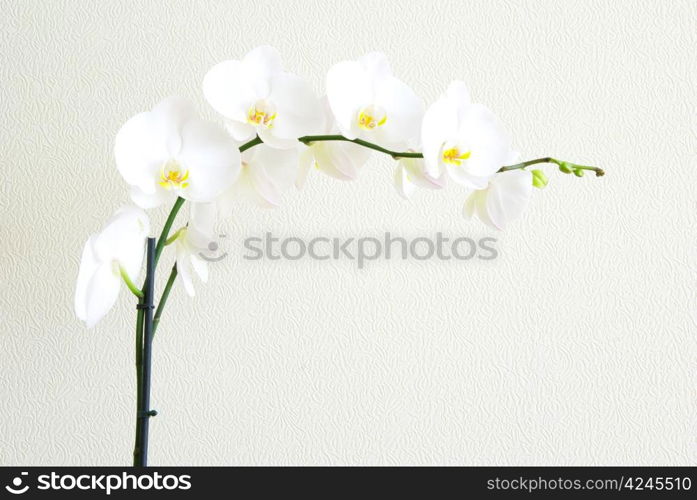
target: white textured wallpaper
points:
(575, 346)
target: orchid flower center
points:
(262, 113)
(371, 117)
(454, 156)
(173, 176)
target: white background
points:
(575, 346)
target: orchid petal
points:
(138, 154)
(212, 159)
(88, 266)
(509, 194)
(348, 89)
(502, 201)
(280, 165)
(439, 125)
(200, 267)
(404, 110)
(306, 159)
(260, 64)
(299, 111)
(228, 90)
(151, 200)
(184, 269)
(405, 188)
(376, 65)
(102, 292)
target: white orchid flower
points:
(192, 244)
(257, 97)
(117, 249)
(266, 173)
(412, 173)
(170, 152)
(463, 139)
(371, 104)
(504, 199)
(338, 159)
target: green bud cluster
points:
(570, 168)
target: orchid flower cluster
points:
(273, 130)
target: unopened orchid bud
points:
(564, 167)
(539, 179)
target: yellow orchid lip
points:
(453, 156)
(371, 117)
(172, 176)
(262, 113)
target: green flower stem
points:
(163, 299)
(162, 240)
(309, 139)
(145, 331)
(599, 172)
(244, 147)
(174, 237)
(129, 283)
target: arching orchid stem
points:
(564, 166)
(309, 139)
